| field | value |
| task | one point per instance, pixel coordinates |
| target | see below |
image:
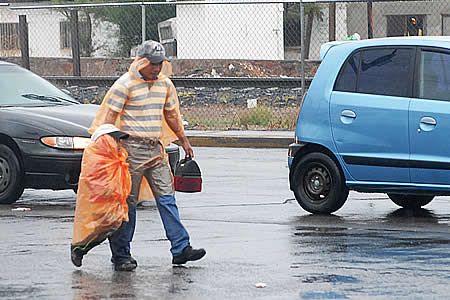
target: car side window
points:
(346, 81)
(385, 71)
(434, 76)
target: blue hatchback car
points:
(376, 118)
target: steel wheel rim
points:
(5, 174)
(317, 182)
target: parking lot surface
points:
(255, 234)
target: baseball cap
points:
(153, 51)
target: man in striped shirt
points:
(144, 104)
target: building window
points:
(409, 25)
(65, 31)
(9, 36)
(166, 33)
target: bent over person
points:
(144, 104)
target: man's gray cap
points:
(153, 51)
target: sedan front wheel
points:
(11, 186)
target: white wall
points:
(230, 31)
(43, 30)
(105, 38)
(44, 33)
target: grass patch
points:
(233, 117)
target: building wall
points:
(44, 34)
(434, 12)
(230, 31)
(43, 31)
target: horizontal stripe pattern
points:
(143, 118)
(141, 104)
(395, 163)
(144, 107)
(141, 128)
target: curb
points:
(240, 139)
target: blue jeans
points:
(119, 241)
(159, 177)
(176, 233)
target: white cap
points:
(105, 129)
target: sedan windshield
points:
(20, 87)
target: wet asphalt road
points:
(253, 233)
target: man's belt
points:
(143, 139)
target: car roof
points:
(432, 41)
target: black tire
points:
(319, 185)
(410, 201)
(11, 175)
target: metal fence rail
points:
(237, 64)
(188, 82)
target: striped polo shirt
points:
(141, 104)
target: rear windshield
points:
(20, 87)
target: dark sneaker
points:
(131, 259)
(76, 258)
(188, 254)
(126, 266)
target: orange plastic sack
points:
(103, 188)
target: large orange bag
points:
(103, 188)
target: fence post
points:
(74, 35)
(332, 21)
(369, 20)
(143, 28)
(302, 47)
(23, 36)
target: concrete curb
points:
(241, 139)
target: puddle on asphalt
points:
(336, 258)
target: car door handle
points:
(428, 121)
(348, 114)
(426, 124)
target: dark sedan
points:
(43, 132)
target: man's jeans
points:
(159, 178)
(175, 231)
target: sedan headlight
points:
(66, 142)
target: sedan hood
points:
(35, 122)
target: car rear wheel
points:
(410, 201)
(319, 185)
(11, 187)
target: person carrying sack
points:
(103, 188)
(144, 104)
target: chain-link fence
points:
(236, 64)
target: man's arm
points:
(176, 125)
(111, 117)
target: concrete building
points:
(49, 34)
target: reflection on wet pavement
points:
(407, 254)
(253, 232)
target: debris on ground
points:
(21, 209)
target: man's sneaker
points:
(188, 254)
(126, 266)
(131, 259)
(76, 258)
